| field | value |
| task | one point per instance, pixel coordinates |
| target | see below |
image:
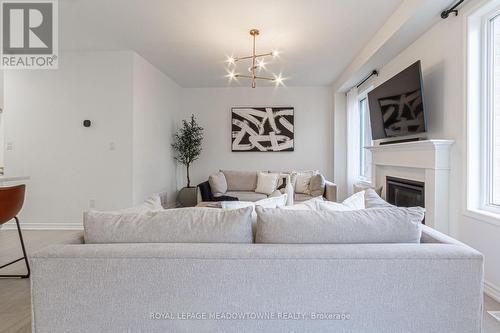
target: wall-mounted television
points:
(397, 106)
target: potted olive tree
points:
(187, 146)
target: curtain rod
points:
(374, 72)
(452, 10)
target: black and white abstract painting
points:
(267, 129)
(403, 114)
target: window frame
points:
(488, 113)
(362, 95)
(478, 126)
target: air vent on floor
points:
(495, 314)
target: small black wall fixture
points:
(452, 10)
(374, 72)
(87, 123)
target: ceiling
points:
(189, 40)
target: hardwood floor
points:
(490, 324)
(15, 304)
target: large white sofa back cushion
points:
(376, 225)
(240, 180)
(182, 225)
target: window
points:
(365, 140)
(483, 113)
(492, 114)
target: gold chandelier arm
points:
(264, 55)
(244, 76)
(256, 77)
(251, 57)
(265, 78)
(243, 58)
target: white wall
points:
(313, 124)
(69, 164)
(441, 50)
(121, 159)
(156, 109)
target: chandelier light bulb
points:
(231, 60)
(278, 79)
(275, 53)
(231, 75)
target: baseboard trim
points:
(44, 226)
(492, 290)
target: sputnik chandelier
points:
(257, 66)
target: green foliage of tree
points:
(187, 144)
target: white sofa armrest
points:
(330, 191)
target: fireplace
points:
(427, 161)
(405, 193)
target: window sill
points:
(364, 181)
(483, 216)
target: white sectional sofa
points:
(435, 286)
(243, 184)
(204, 283)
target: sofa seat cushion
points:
(377, 225)
(240, 180)
(181, 225)
(246, 195)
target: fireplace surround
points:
(426, 161)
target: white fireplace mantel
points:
(427, 161)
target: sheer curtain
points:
(353, 135)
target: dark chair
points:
(11, 202)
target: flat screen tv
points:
(397, 106)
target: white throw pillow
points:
(273, 202)
(335, 206)
(153, 203)
(354, 202)
(218, 183)
(267, 182)
(302, 181)
(311, 204)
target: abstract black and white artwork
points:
(403, 114)
(267, 129)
